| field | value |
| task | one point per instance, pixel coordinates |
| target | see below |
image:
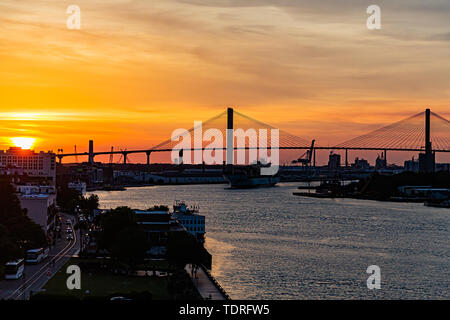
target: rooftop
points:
(150, 212)
(19, 150)
(34, 196)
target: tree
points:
(18, 232)
(121, 235)
(130, 245)
(68, 199)
(88, 205)
(9, 250)
(183, 248)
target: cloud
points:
(283, 60)
(440, 37)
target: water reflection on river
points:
(269, 244)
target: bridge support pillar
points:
(346, 158)
(148, 153)
(124, 157)
(60, 159)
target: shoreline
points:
(392, 199)
(123, 187)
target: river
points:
(270, 244)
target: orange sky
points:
(139, 69)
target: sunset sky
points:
(138, 69)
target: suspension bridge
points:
(425, 132)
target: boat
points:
(244, 177)
(443, 204)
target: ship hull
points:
(243, 182)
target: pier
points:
(206, 284)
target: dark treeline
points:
(18, 233)
(69, 200)
(383, 187)
(119, 234)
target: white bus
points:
(36, 255)
(14, 269)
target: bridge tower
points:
(427, 159)
(230, 137)
(91, 152)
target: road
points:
(36, 276)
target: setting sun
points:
(23, 142)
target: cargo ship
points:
(244, 177)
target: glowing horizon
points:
(25, 143)
(137, 70)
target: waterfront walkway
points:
(206, 284)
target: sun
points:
(23, 142)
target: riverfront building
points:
(157, 224)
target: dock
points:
(316, 195)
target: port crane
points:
(305, 159)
